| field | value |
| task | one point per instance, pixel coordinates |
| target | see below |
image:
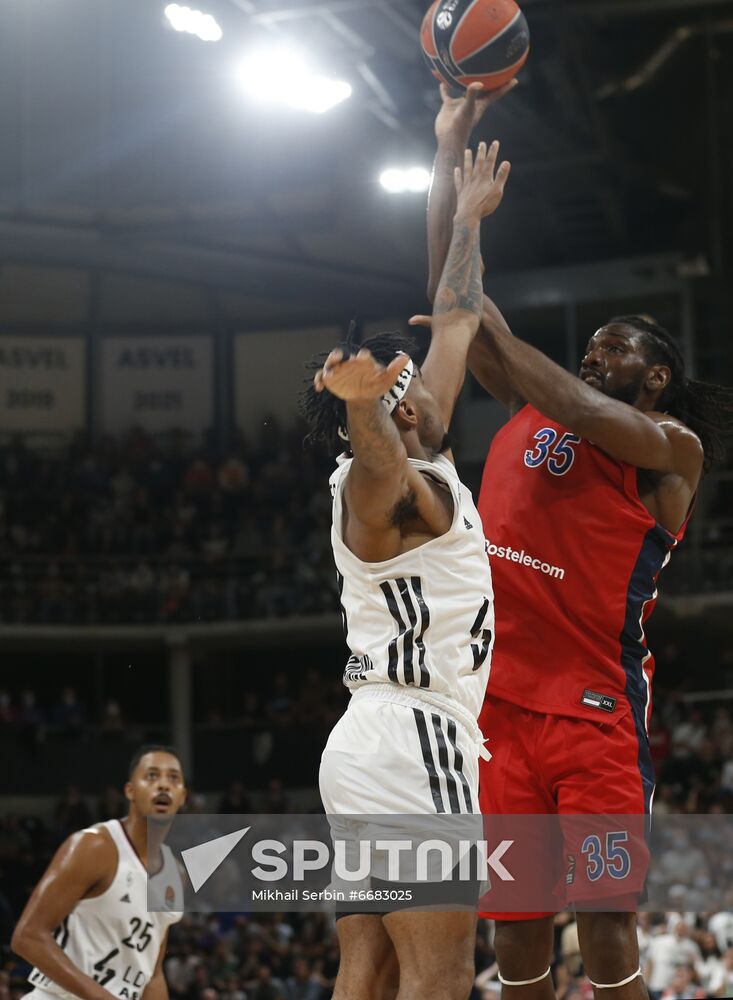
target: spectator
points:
(279, 705)
(69, 714)
(112, 804)
(710, 968)
(265, 986)
(644, 936)
(302, 985)
(721, 925)
(198, 478)
(235, 802)
(233, 476)
(276, 800)
(233, 990)
(180, 966)
(200, 981)
(668, 951)
(252, 711)
(30, 715)
(112, 721)
(72, 813)
(721, 985)
(7, 713)
(688, 735)
(659, 741)
(223, 964)
(682, 985)
(5, 986)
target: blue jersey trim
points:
(652, 557)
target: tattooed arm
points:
(459, 298)
(455, 121)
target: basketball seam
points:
(441, 67)
(486, 45)
(457, 28)
(432, 35)
(495, 72)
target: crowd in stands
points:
(144, 530)
(262, 733)
(686, 952)
(281, 728)
(239, 956)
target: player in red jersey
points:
(586, 492)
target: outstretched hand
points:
(480, 187)
(458, 116)
(359, 377)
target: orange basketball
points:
(468, 41)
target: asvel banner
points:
(42, 384)
(157, 383)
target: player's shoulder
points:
(683, 439)
(93, 848)
(440, 472)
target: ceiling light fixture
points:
(193, 22)
(398, 180)
(283, 76)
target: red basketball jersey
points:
(575, 557)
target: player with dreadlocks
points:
(417, 603)
(586, 492)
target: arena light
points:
(397, 180)
(283, 76)
(193, 22)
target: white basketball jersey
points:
(425, 619)
(113, 938)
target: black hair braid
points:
(325, 413)
(704, 407)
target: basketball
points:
(475, 41)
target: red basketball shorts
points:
(544, 765)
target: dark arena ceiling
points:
(140, 186)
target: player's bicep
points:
(79, 865)
(371, 498)
(373, 525)
(656, 443)
(486, 368)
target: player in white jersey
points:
(417, 601)
(86, 928)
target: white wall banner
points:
(157, 383)
(42, 384)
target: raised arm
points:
(459, 298)
(80, 868)
(382, 489)
(457, 118)
(652, 441)
(453, 126)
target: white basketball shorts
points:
(392, 753)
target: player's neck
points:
(145, 841)
(136, 829)
(414, 448)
